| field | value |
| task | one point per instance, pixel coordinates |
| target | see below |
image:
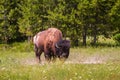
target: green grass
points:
(17, 63)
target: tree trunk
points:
(94, 35)
(5, 40)
(30, 38)
(84, 33)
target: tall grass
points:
(61, 72)
(16, 59)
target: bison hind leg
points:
(38, 53)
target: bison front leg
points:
(47, 56)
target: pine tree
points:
(30, 21)
(9, 16)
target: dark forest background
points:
(78, 19)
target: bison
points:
(51, 42)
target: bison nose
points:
(64, 55)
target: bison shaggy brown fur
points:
(51, 42)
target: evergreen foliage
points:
(77, 19)
(116, 37)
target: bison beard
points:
(51, 43)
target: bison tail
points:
(35, 48)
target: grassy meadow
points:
(17, 62)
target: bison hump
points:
(53, 35)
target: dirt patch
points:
(86, 59)
(30, 61)
(93, 59)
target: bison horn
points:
(57, 46)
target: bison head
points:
(62, 49)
